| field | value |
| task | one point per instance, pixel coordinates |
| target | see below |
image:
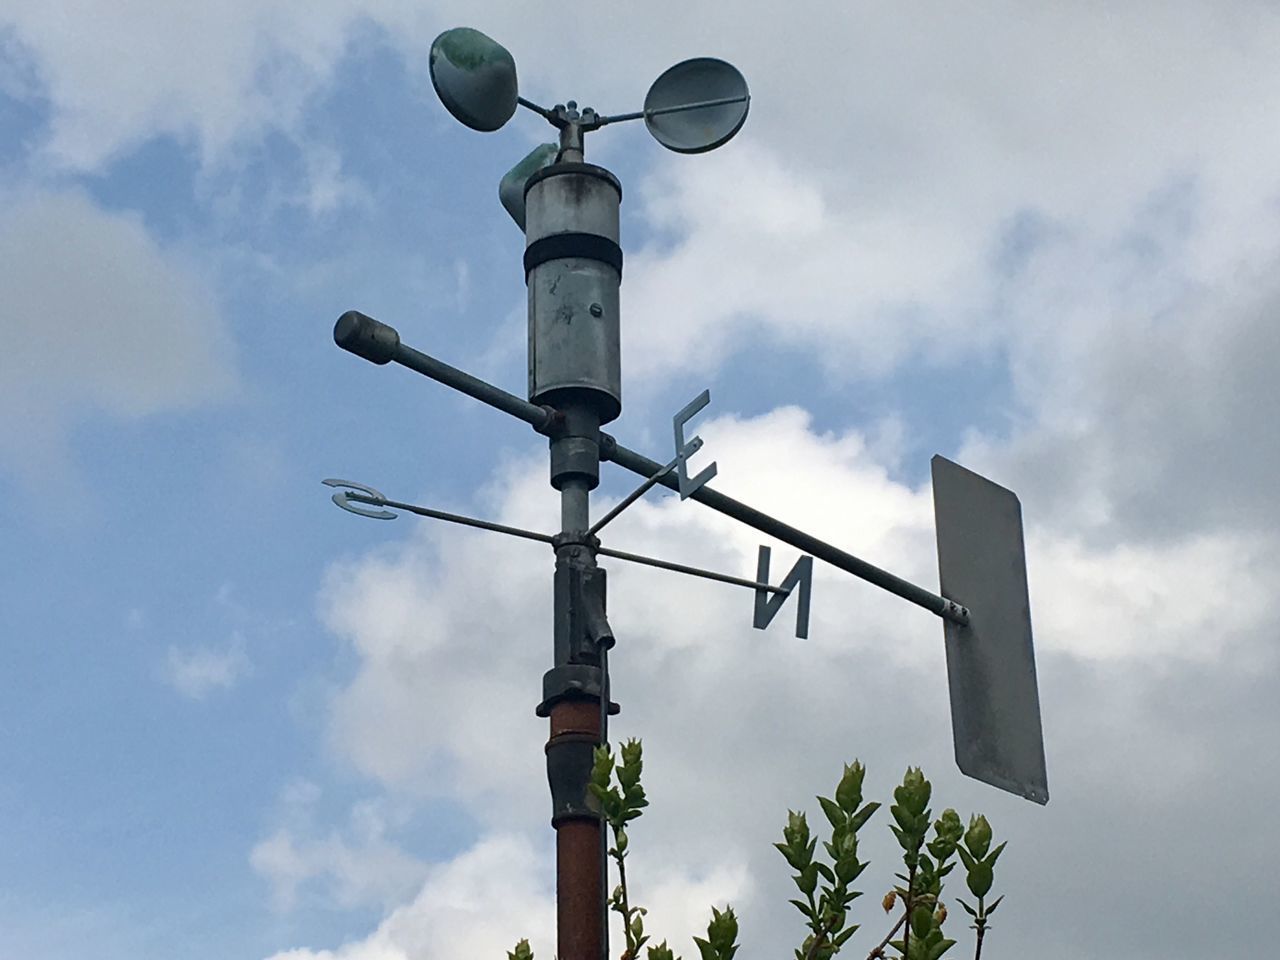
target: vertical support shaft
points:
(573, 268)
(575, 699)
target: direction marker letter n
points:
(768, 604)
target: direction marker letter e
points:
(687, 448)
(768, 605)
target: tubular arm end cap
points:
(366, 337)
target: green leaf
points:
(847, 870)
(522, 951)
(632, 750)
(705, 949)
(979, 879)
(802, 907)
(796, 832)
(995, 903)
(634, 796)
(904, 817)
(938, 949)
(941, 849)
(836, 816)
(807, 879)
(949, 827)
(863, 815)
(722, 931)
(611, 804)
(921, 921)
(995, 854)
(843, 938)
(849, 791)
(915, 791)
(978, 837)
(966, 858)
(968, 909)
(661, 952)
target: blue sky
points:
(235, 722)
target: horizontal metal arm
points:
(540, 418)
(692, 571)
(610, 449)
(453, 518)
(677, 108)
(374, 498)
(380, 343)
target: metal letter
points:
(768, 605)
(684, 450)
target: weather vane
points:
(568, 211)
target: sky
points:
(1039, 239)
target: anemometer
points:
(568, 210)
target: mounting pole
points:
(573, 269)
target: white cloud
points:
(361, 865)
(477, 905)
(496, 893)
(1147, 392)
(117, 78)
(98, 321)
(196, 672)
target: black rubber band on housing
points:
(583, 246)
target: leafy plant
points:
(824, 878)
(827, 915)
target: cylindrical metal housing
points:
(573, 268)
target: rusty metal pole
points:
(580, 904)
(573, 269)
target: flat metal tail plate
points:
(991, 666)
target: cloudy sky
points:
(1041, 239)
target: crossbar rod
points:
(379, 343)
(547, 538)
(677, 108)
(540, 418)
(639, 491)
(453, 518)
(638, 463)
(694, 571)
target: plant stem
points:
(980, 925)
(909, 902)
(632, 949)
(821, 934)
(879, 950)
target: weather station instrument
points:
(568, 210)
